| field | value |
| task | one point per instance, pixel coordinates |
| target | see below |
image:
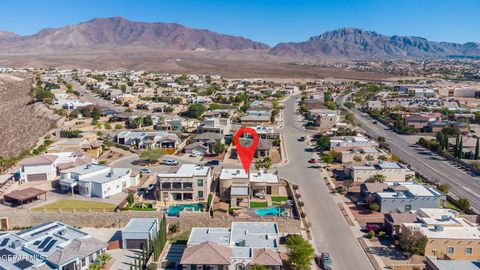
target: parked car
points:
(194, 154)
(170, 162)
(375, 122)
(213, 162)
(144, 171)
(312, 160)
(301, 139)
(151, 187)
(326, 261)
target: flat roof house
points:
(138, 231)
(237, 186)
(51, 245)
(97, 180)
(392, 171)
(146, 140)
(241, 246)
(406, 196)
(449, 237)
(190, 183)
(351, 142)
(38, 168)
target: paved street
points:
(462, 183)
(330, 229)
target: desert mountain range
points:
(119, 33)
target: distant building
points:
(148, 140)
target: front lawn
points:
(450, 205)
(78, 205)
(146, 207)
(180, 238)
(258, 204)
(279, 199)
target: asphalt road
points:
(330, 229)
(462, 183)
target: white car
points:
(170, 162)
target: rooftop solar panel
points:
(45, 242)
(37, 242)
(49, 246)
(5, 253)
(4, 242)
(23, 264)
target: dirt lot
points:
(21, 123)
(228, 64)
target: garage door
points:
(134, 243)
(37, 177)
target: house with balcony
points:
(97, 181)
(215, 125)
(190, 183)
(238, 187)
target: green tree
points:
(323, 143)
(265, 163)
(219, 147)
(378, 178)
(464, 203)
(195, 110)
(374, 206)
(381, 139)
(152, 155)
(444, 188)
(259, 267)
(300, 252)
(357, 158)
(349, 104)
(413, 241)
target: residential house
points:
(325, 119)
(433, 263)
(91, 147)
(392, 172)
(237, 187)
(215, 125)
(190, 183)
(148, 140)
(97, 180)
(51, 245)
(418, 121)
(450, 237)
(372, 155)
(404, 197)
(393, 222)
(239, 247)
(351, 142)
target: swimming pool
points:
(272, 211)
(174, 211)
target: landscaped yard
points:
(146, 207)
(180, 238)
(450, 205)
(258, 204)
(78, 205)
(279, 199)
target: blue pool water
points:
(174, 211)
(272, 211)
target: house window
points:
(220, 267)
(200, 182)
(240, 267)
(408, 207)
(200, 194)
(468, 251)
(450, 250)
(84, 262)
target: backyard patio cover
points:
(24, 195)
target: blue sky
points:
(269, 21)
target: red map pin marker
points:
(246, 153)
